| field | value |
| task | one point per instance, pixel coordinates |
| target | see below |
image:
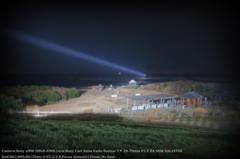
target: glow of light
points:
(70, 52)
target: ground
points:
(116, 133)
(95, 100)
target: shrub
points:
(72, 93)
(7, 103)
(44, 97)
(52, 96)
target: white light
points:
(114, 95)
(73, 53)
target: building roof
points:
(192, 94)
(151, 97)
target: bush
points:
(16, 97)
(72, 93)
(7, 103)
(44, 97)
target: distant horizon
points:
(122, 74)
(88, 80)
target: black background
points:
(164, 38)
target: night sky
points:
(154, 38)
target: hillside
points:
(211, 90)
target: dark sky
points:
(164, 38)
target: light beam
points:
(71, 52)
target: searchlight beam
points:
(70, 52)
